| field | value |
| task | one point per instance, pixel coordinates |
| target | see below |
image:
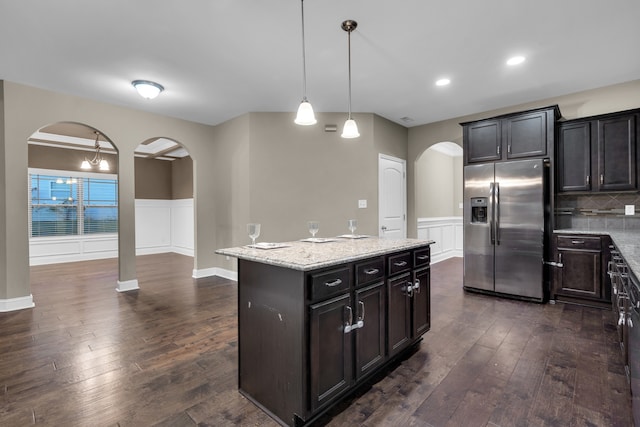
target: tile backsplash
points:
(598, 211)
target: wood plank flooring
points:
(166, 355)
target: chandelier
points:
(97, 160)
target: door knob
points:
(384, 228)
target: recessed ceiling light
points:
(443, 82)
(515, 60)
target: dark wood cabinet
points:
(580, 274)
(574, 156)
(306, 339)
(599, 153)
(330, 349)
(514, 136)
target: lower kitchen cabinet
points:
(309, 338)
(580, 274)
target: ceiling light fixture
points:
(443, 82)
(305, 116)
(350, 129)
(97, 158)
(147, 89)
(515, 60)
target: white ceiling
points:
(222, 58)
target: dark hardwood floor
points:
(166, 355)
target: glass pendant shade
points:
(104, 165)
(85, 165)
(350, 129)
(305, 116)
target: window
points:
(79, 203)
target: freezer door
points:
(519, 216)
(478, 249)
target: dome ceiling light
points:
(147, 89)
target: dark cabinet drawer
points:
(399, 263)
(579, 242)
(327, 283)
(421, 258)
(369, 271)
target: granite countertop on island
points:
(627, 242)
(306, 256)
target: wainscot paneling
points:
(161, 226)
(447, 234)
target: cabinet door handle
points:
(416, 286)
(577, 242)
(348, 326)
(371, 271)
(400, 264)
(509, 148)
(601, 179)
(334, 283)
(360, 323)
(409, 289)
(588, 179)
(423, 257)
(498, 149)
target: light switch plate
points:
(362, 204)
(629, 209)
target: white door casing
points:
(392, 197)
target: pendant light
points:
(350, 129)
(305, 114)
(97, 160)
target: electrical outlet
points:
(362, 204)
(629, 209)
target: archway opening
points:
(73, 197)
(164, 198)
(439, 185)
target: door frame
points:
(403, 162)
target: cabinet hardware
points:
(621, 319)
(559, 258)
(360, 323)
(577, 242)
(498, 150)
(409, 289)
(416, 286)
(349, 325)
(334, 283)
(588, 179)
(371, 271)
(630, 322)
(423, 257)
(601, 179)
(509, 148)
(400, 264)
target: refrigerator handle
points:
(491, 225)
(496, 191)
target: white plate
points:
(353, 236)
(318, 240)
(266, 245)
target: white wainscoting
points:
(161, 226)
(447, 234)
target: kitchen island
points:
(316, 320)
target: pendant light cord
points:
(304, 61)
(349, 47)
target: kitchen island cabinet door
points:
(330, 349)
(421, 302)
(370, 338)
(399, 314)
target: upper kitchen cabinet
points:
(526, 134)
(598, 153)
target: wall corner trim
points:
(13, 304)
(127, 285)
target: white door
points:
(392, 197)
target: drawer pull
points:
(400, 264)
(423, 257)
(334, 283)
(371, 271)
(577, 242)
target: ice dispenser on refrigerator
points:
(478, 210)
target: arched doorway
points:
(164, 202)
(438, 204)
(73, 203)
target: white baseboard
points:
(215, 271)
(445, 255)
(127, 285)
(13, 304)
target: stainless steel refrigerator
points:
(505, 209)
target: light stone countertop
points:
(627, 242)
(307, 256)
